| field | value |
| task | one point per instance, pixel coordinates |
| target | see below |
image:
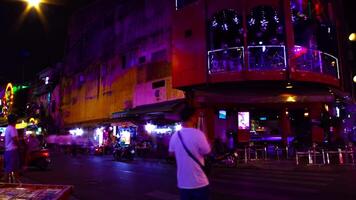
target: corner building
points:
(261, 70)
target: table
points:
(9, 191)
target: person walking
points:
(193, 183)
(11, 155)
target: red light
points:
(45, 154)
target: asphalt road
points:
(100, 177)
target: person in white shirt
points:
(11, 155)
(193, 183)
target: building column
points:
(317, 131)
(208, 116)
(285, 125)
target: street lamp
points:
(33, 3)
(352, 37)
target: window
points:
(142, 59)
(265, 26)
(158, 84)
(265, 40)
(181, 3)
(315, 37)
(226, 30)
(226, 42)
(123, 62)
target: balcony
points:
(269, 62)
(309, 60)
(226, 60)
(267, 58)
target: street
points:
(100, 177)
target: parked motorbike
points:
(124, 152)
(39, 159)
(229, 159)
(99, 150)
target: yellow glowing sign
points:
(21, 125)
(291, 99)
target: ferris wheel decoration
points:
(8, 99)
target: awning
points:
(162, 108)
(158, 108)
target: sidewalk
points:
(290, 165)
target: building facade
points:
(118, 60)
(263, 70)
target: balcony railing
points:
(226, 60)
(272, 58)
(267, 58)
(310, 60)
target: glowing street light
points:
(33, 3)
(352, 37)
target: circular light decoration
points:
(8, 99)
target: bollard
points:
(341, 160)
(265, 153)
(256, 156)
(327, 158)
(310, 157)
(296, 157)
(276, 149)
(245, 155)
(287, 153)
(323, 152)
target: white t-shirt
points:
(189, 173)
(10, 133)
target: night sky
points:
(27, 47)
(30, 45)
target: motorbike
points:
(40, 159)
(124, 152)
(229, 159)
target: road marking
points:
(162, 195)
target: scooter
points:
(124, 152)
(40, 159)
(229, 159)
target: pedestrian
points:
(11, 155)
(193, 183)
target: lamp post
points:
(33, 3)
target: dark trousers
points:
(195, 194)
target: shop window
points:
(265, 39)
(226, 42)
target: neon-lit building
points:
(118, 65)
(277, 62)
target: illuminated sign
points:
(243, 120)
(222, 114)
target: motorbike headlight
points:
(132, 151)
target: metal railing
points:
(316, 61)
(322, 157)
(272, 58)
(226, 60)
(267, 58)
